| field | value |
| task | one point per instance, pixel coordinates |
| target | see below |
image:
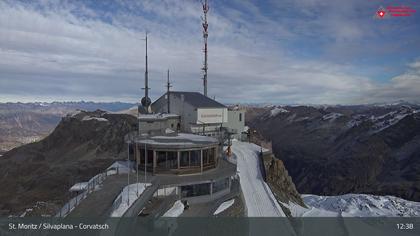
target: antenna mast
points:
(168, 86)
(145, 101)
(205, 36)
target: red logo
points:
(393, 11)
(381, 13)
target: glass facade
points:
(166, 160)
(149, 157)
(185, 159)
(195, 158)
(174, 160)
(208, 156)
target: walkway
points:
(259, 199)
(99, 203)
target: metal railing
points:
(92, 185)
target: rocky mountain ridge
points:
(333, 150)
(22, 123)
(82, 145)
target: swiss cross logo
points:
(381, 13)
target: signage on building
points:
(211, 115)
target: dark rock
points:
(75, 151)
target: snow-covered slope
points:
(355, 205)
(176, 210)
(259, 199)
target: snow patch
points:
(128, 196)
(332, 116)
(176, 210)
(224, 206)
(74, 113)
(79, 187)
(87, 118)
(355, 205)
(169, 131)
(120, 167)
(387, 120)
(356, 121)
(277, 110)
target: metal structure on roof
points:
(145, 101)
(168, 87)
(205, 36)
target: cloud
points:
(405, 86)
(71, 50)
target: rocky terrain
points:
(334, 150)
(356, 205)
(22, 123)
(40, 173)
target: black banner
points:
(210, 226)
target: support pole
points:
(137, 171)
(168, 86)
(128, 174)
(201, 157)
(145, 164)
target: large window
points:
(195, 158)
(161, 160)
(195, 190)
(172, 160)
(149, 157)
(185, 159)
(166, 160)
(208, 156)
(190, 158)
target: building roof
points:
(172, 140)
(197, 100)
(157, 116)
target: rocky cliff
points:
(82, 145)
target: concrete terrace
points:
(99, 203)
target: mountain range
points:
(334, 150)
(22, 123)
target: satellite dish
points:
(145, 102)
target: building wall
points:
(192, 118)
(236, 122)
(158, 126)
(212, 115)
(186, 111)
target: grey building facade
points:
(198, 113)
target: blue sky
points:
(286, 52)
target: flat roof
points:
(172, 140)
(157, 116)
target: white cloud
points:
(67, 51)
